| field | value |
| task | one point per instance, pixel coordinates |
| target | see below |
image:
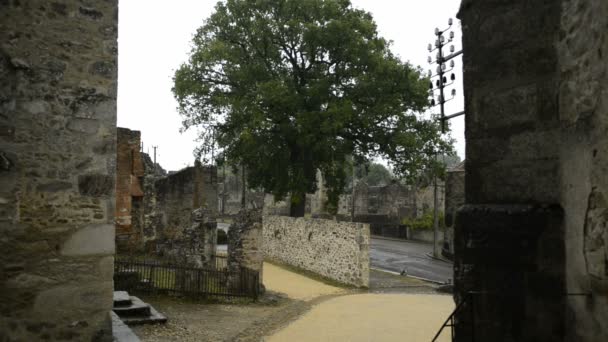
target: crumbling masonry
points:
(58, 72)
(153, 208)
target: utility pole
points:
(154, 147)
(352, 207)
(442, 81)
(435, 219)
(224, 187)
(440, 84)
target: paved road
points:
(398, 255)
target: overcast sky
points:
(155, 37)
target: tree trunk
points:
(298, 209)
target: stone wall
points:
(57, 168)
(245, 246)
(335, 250)
(532, 234)
(129, 190)
(180, 193)
(193, 245)
(583, 151)
(454, 199)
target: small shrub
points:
(424, 222)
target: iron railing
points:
(468, 299)
(449, 322)
(156, 277)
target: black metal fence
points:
(139, 275)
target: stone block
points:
(58, 186)
(67, 301)
(95, 185)
(90, 240)
(84, 125)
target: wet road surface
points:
(412, 256)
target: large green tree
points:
(292, 86)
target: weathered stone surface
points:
(54, 237)
(536, 123)
(336, 250)
(95, 185)
(454, 199)
(90, 240)
(245, 244)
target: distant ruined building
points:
(383, 207)
(151, 206)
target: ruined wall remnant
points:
(454, 199)
(57, 169)
(178, 194)
(193, 245)
(136, 174)
(531, 236)
(245, 244)
(272, 207)
(336, 250)
(130, 172)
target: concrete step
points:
(137, 308)
(122, 298)
(121, 332)
(155, 317)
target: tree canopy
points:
(292, 86)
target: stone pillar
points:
(195, 246)
(531, 238)
(245, 241)
(58, 72)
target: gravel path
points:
(289, 299)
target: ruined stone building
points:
(151, 206)
(531, 242)
(383, 207)
(130, 172)
(58, 63)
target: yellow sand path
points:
(295, 286)
(370, 318)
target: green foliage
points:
(373, 174)
(378, 174)
(287, 87)
(424, 222)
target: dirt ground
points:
(371, 317)
(291, 305)
(190, 321)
